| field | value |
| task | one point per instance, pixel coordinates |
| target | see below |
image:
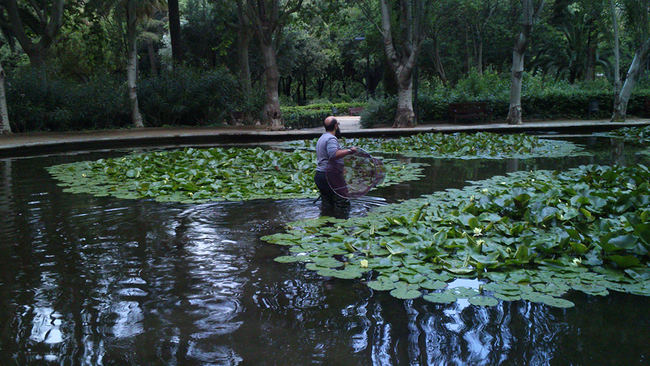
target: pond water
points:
(100, 280)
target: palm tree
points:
(136, 12)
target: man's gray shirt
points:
(326, 147)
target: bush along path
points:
(528, 235)
(201, 175)
(481, 145)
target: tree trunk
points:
(5, 127)
(479, 61)
(514, 112)
(132, 63)
(617, 56)
(633, 74)
(529, 15)
(175, 30)
(152, 57)
(243, 42)
(402, 65)
(405, 116)
(438, 63)
(271, 113)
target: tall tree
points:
(132, 61)
(175, 30)
(402, 51)
(617, 53)
(35, 24)
(637, 12)
(135, 11)
(5, 127)
(268, 17)
(530, 14)
(244, 34)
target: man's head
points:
(332, 125)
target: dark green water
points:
(87, 280)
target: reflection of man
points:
(329, 154)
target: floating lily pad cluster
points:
(200, 175)
(483, 145)
(634, 135)
(529, 235)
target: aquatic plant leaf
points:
(440, 297)
(433, 285)
(346, 274)
(484, 145)
(483, 301)
(495, 230)
(405, 293)
(288, 259)
(202, 175)
(507, 297)
(380, 285)
(557, 302)
(463, 292)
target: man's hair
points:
(329, 126)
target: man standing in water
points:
(328, 151)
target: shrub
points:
(542, 98)
(188, 97)
(39, 103)
(295, 119)
(184, 97)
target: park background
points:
(89, 64)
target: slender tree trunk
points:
(468, 53)
(479, 61)
(530, 15)
(271, 111)
(243, 42)
(438, 63)
(633, 74)
(175, 30)
(5, 127)
(514, 113)
(132, 63)
(152, 57)
(617, 57)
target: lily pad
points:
(520, 256)
(440, 297)
(201, 175)
(483, 301)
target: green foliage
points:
(200, 175)
(470, 146)
(37, 103)
(542, 98)
(184, 97)
(188, 96)
(529, 235)
(482, 145)
(634, 135)
(312, 115)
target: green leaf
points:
(483, 301)
(405, 293)
(624, 261)
(440, 297)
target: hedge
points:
(182, 97)
(549, 105)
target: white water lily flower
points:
(363, 263)
(478, 231)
